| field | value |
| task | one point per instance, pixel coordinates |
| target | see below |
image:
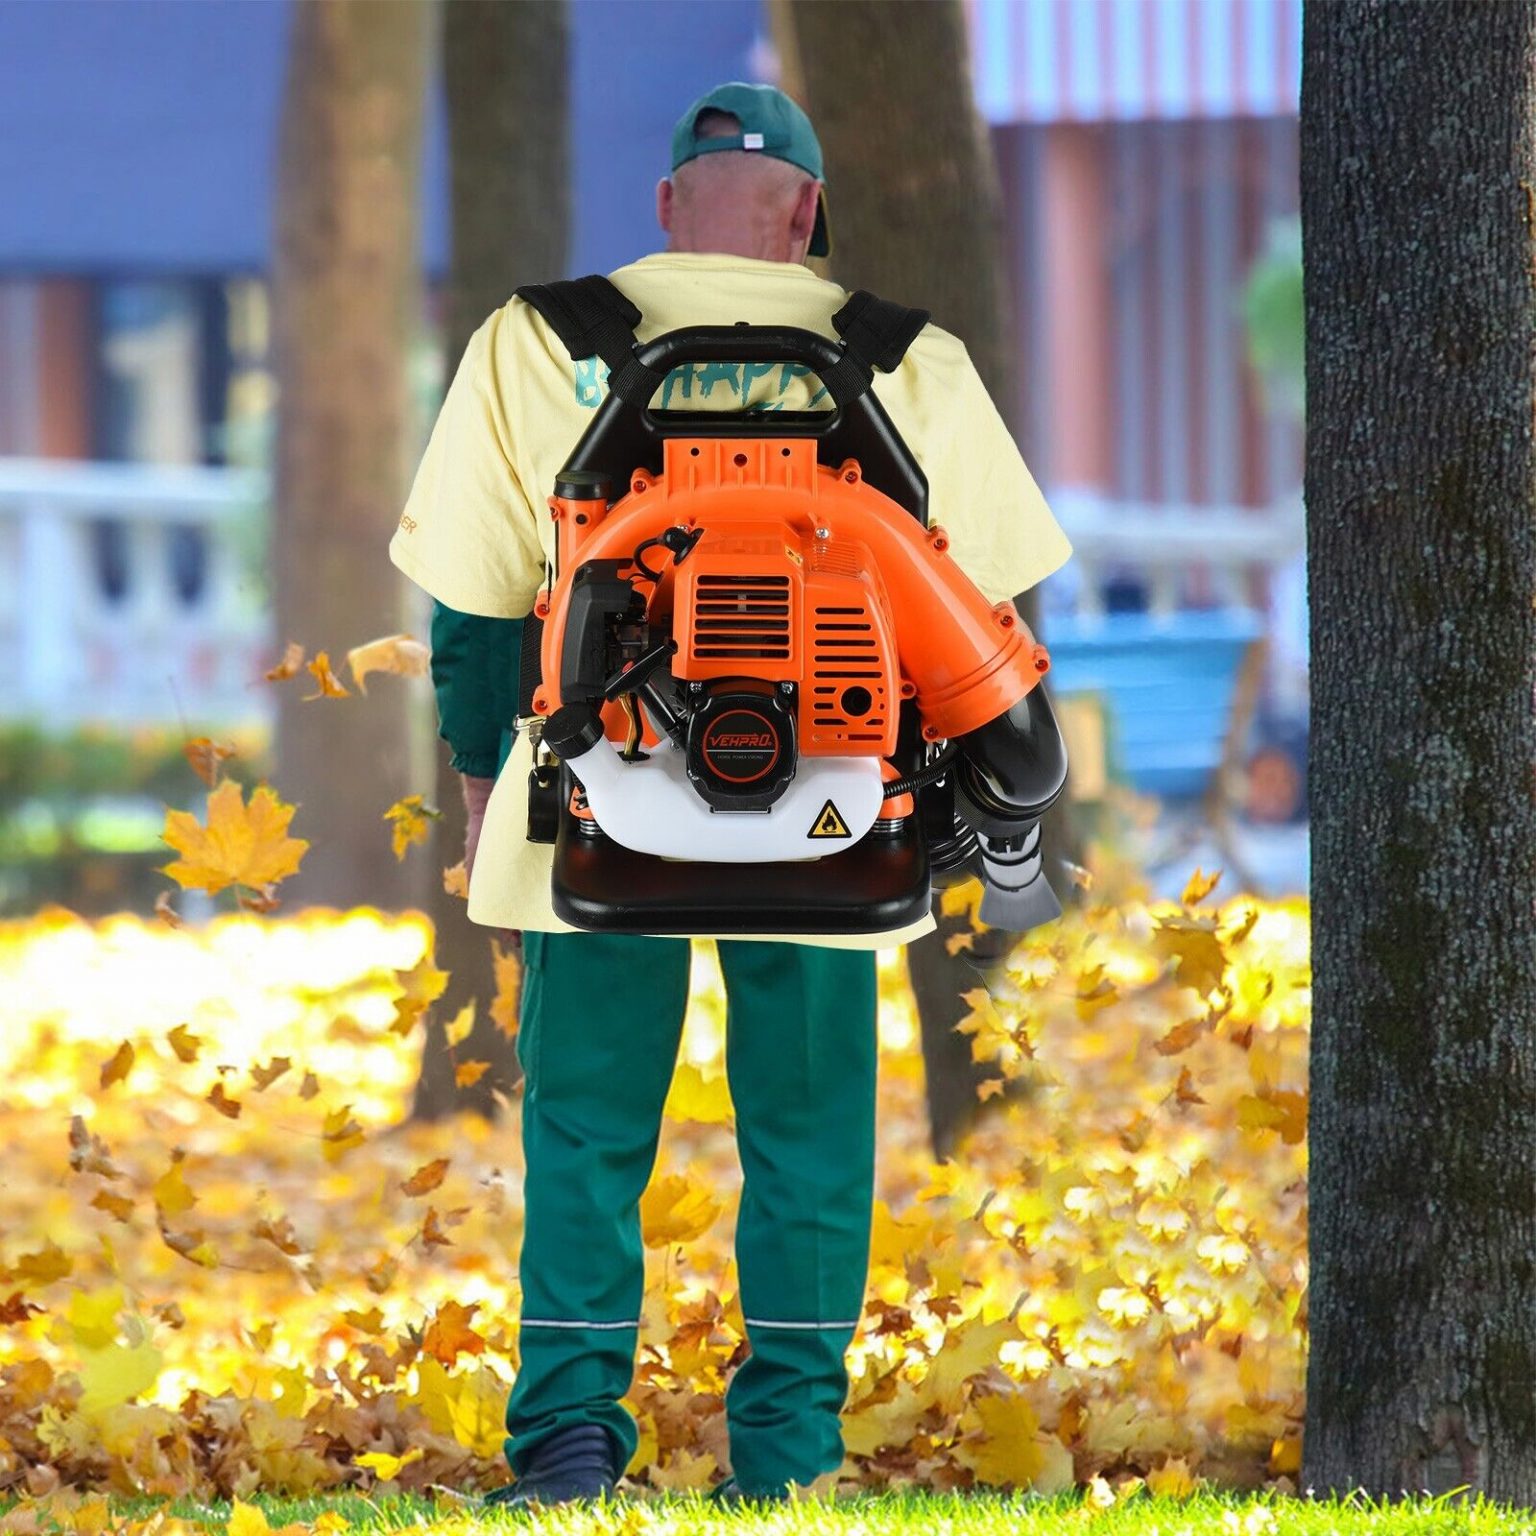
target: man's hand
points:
(477, 794)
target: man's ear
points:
(664, 204)
(803, 220)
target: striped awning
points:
(1043, 61)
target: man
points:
(602, 1014)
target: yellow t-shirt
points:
(477, 536)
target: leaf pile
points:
(228, 1264)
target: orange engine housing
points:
(803, 574)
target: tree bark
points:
(916, 216)
(505, 68)
(1417, 208)
(346, 302)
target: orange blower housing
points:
(805, 574)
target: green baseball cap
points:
(770, 122)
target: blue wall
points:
(139, 135)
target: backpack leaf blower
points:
(764, 696)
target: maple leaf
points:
(420, 987)
(1193, 941)
(432, 1234)
(48, 1264)
(1011, 1451)
(1199, 887)
(310, 1086)
(88, 1153)
(119, 1067)
(401, 655)
(386, 1467)
(426, 1178)
(411, 821)
(241, 844)
(988, 1088)
(1182, 1036)
(676, 1209)
(330, 686)
(222, 1102)
(165, 911)
(119, 1207)
(340, 1134)
(704, 1099)
(293, 659)
(205, 755)
(456, 881)
(171, 1192)
(467, 1073)
(185, 1044)
(192, 1246)
(449, 1335)
(262, 901)
(505, 1005)
(16, 1309)
(1172, 1480)
(264, 1077)
(459, 1027)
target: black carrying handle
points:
(839, 371)
(627, 434)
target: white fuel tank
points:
(651, 807)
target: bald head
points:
(738, 201)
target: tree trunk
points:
(1417, 209)
(346, 301)
(915, 211)
(505, 68)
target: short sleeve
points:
(1001, 531)
(468, 534)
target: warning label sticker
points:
(829, 823)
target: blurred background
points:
(1146, 182)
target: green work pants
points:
(602, 1019)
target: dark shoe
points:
(574, 1463)
(729, 1491)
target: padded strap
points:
(593, 319)
(877, 332)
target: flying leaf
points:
(467, 1073)
(449, 1335)
(411, 821)
(402, 655)
(119, 1207)
(171, 1191)
(1194, 943)
(119, 1067)
(1199, 887)
(116, 1374)
(222, 1102)
(331, 686)
(341, 1133)
(264, 1077)
(705, 1099)
(205, 755)
(241, 844)
(426, 1178)
(293, 659)
(456, 881)
(420, 987)
(165, 911)
(459, 1026)
(185, 1044)
(676, 1209)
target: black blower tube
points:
(1011, 771)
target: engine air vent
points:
(741, 618)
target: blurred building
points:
(1144, 146)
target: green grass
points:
(922, 1514)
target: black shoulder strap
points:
(593, 319)
(877, 332)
